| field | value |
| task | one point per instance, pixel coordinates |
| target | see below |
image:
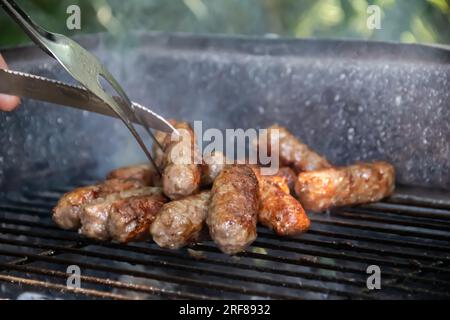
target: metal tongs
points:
(87, 70)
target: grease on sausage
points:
(278, 210)
(130, 218)
(119, 185)
(161, 136)
(142, 172)
(180, 222)
(233, 210)
(181, 175)
(211, 167)
(360, 183)
(66, 213)
(95, 215)
(292, 152)
(290, 177)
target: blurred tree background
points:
(425, 21)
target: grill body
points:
(349, 100)
(407, 237)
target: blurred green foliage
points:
(425, 21)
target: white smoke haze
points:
(250, 146)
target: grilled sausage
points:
(211, 167)
(292, 152)
(280, 182)
(119, 185)
(161, 136)
(130, 218)
(158, 153)
(278, 210)
(94, 216)
(142, 172)
(233, 209)
(181, 175)
(359, 183)
(290, 177)
(180, 222)
(66, 213)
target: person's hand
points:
(7, 103)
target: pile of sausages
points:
(194, 200)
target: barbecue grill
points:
(348, 100)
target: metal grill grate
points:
(407, 236)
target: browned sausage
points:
(293, 152)
(119, 185)
(95, 215)
(130, 218)
(181, 175)
(66, 213)
(180, 222)
(211, 167)
(279, 210)
(280, 182)
(359, 183)
(143, 172)
(233, 209)
(290, 177)
(160, 136)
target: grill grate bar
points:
(47, 285)
(352, 247)
(400, 232)
(102, 281)
(366, 215)
(252, 255)
(314, 264)
(40, 224)
(209, 260)
(190, 269)
(418, 201)
(74, 237)
(148, 275)
(406, 244)
(55, 250)
(338, 248)
(307, 251)
(409, 210)
(266, 235)
(24, 209)
(421, 197)
(361, 284)
(297, 261)
(346, 256)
